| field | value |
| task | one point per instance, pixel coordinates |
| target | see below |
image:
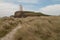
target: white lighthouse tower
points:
(21, 8)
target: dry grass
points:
(33, 28)
(7, 24)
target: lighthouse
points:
(21, 8)
(19, 13)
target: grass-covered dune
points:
(32, 28)
(28, 13)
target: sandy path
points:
(10, 35)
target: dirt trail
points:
(10, 36)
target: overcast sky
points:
(50, 7)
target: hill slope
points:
(19, 14)
(32, 28)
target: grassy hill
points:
(34, 13)
(28, 13)
(32, 28)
